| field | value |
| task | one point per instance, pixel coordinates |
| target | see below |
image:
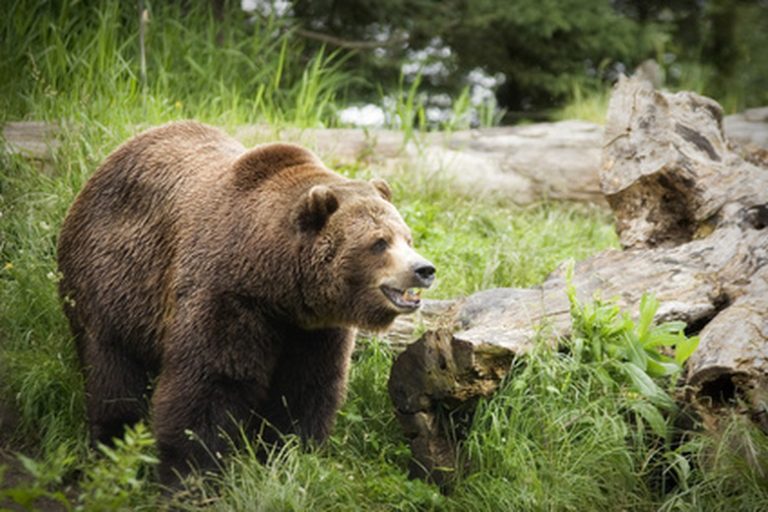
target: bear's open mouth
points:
(404, 299)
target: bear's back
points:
(157, 168)
(117, 245)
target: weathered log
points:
(35, 140)
(732, 358)
(668, 172)
(441, 370)
(692, 215)
(521, 163)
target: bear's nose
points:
(425, 273)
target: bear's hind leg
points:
(116, 385)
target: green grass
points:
(589, 105)
(555, 437)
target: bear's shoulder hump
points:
(267, 160)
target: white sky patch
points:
(369, 115)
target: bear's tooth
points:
(412, 294)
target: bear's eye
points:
(379, 246)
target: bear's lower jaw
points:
(405, 301)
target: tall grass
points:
(557, 436)
(585, 105)
(70, 60)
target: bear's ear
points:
(317, 205)
(383, 188)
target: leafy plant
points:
(115, 481)
(628, 351)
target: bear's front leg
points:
(309, 383)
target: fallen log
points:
(691, 213)
(523, 164)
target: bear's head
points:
(360, 268)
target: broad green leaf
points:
(605, 377)
(646, 386)
(658, 368)
(635, 352)
(648, 307)
(685, 348)
(662, 339)
(673, 326)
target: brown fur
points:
(236, 277)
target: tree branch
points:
(350, 44)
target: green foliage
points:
(555, 437)
(29, 496)
(585, 104)
(477, 243)
(408, 108)
(296, 479)
(115, 479)
(568, 430)
(541, 47)
(366, 425)
(725, 470)
(630, 352)
(68, 59)
(718, 47)
(37, 358)
(120, 479)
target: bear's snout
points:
(425, 274)
(403, 288)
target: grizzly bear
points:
(227, 284)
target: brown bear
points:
(236, 278)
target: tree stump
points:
(691, 214)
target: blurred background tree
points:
(547, 49)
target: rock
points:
(692, 215)
(522, 163)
